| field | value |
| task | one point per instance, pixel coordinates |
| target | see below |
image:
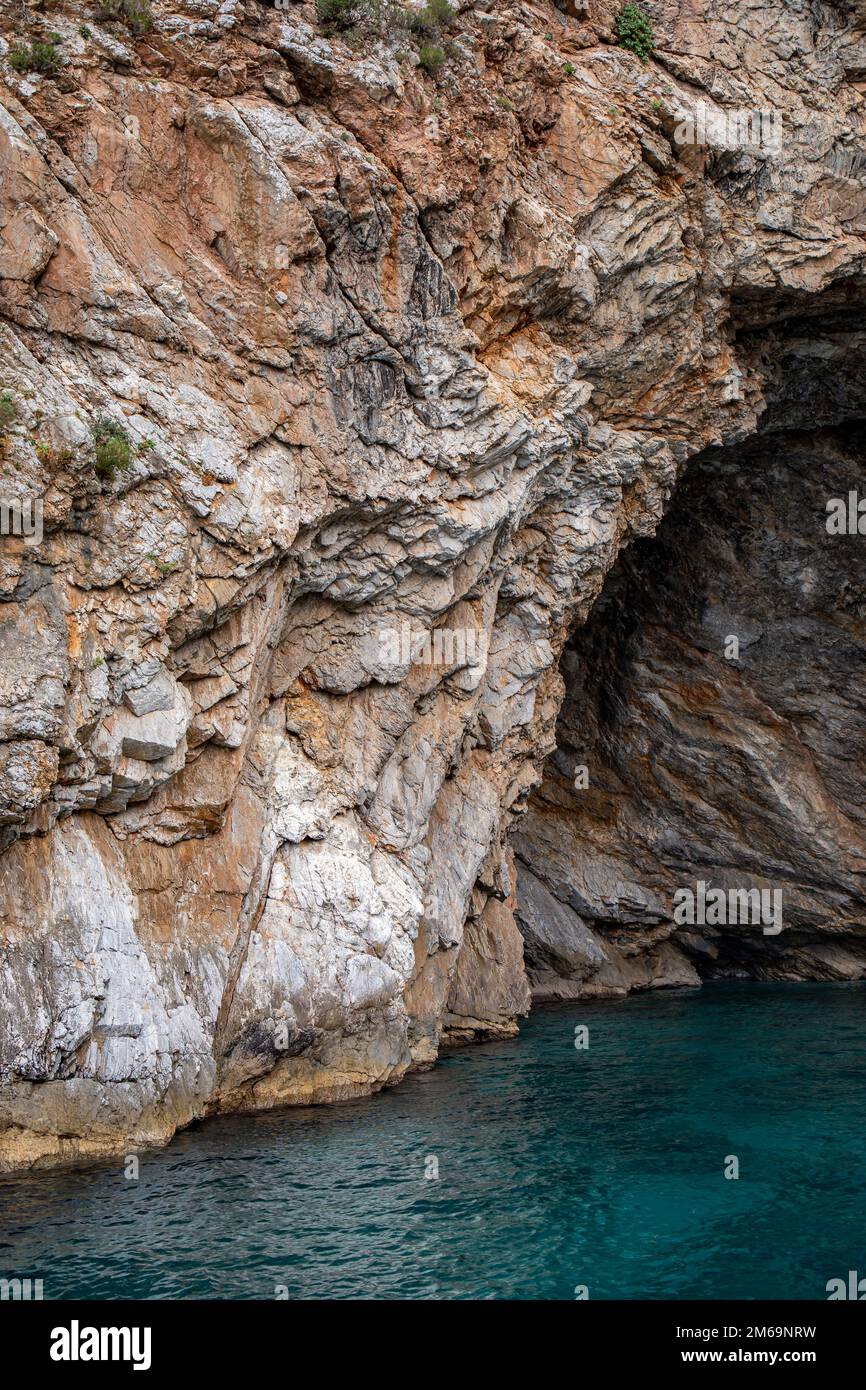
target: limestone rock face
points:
(342, 388)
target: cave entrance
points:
(716, 699)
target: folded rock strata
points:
(390, 351)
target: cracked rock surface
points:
(390, 353)
(744, 772)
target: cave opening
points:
(713, 733)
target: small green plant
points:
(568, 69)
(440, 11)
(39, 57)
(8, 411)
(135, 14)
(634, 31)
(505, 103)
(112, 454)
(45, 58)
(113, 450)
(337, 14)
(51, 457)
(431, 57)
(84, 31)
(436, 15)
(430, 21)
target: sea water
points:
(527, 1169)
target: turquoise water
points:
(557, 1168)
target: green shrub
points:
(358, 21)
(112, 454)
(634, 31)
(135, 14)
(45, 58)
(113, 449)
(441, 11)
(39, 57)
(568, 69)
(431, 58)
(338, 14)
(8, 411)
(429, 21)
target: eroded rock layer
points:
(308, 347)
(735, 763)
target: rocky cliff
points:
(738, 771)
(347, 361)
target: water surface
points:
(557, 1168)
